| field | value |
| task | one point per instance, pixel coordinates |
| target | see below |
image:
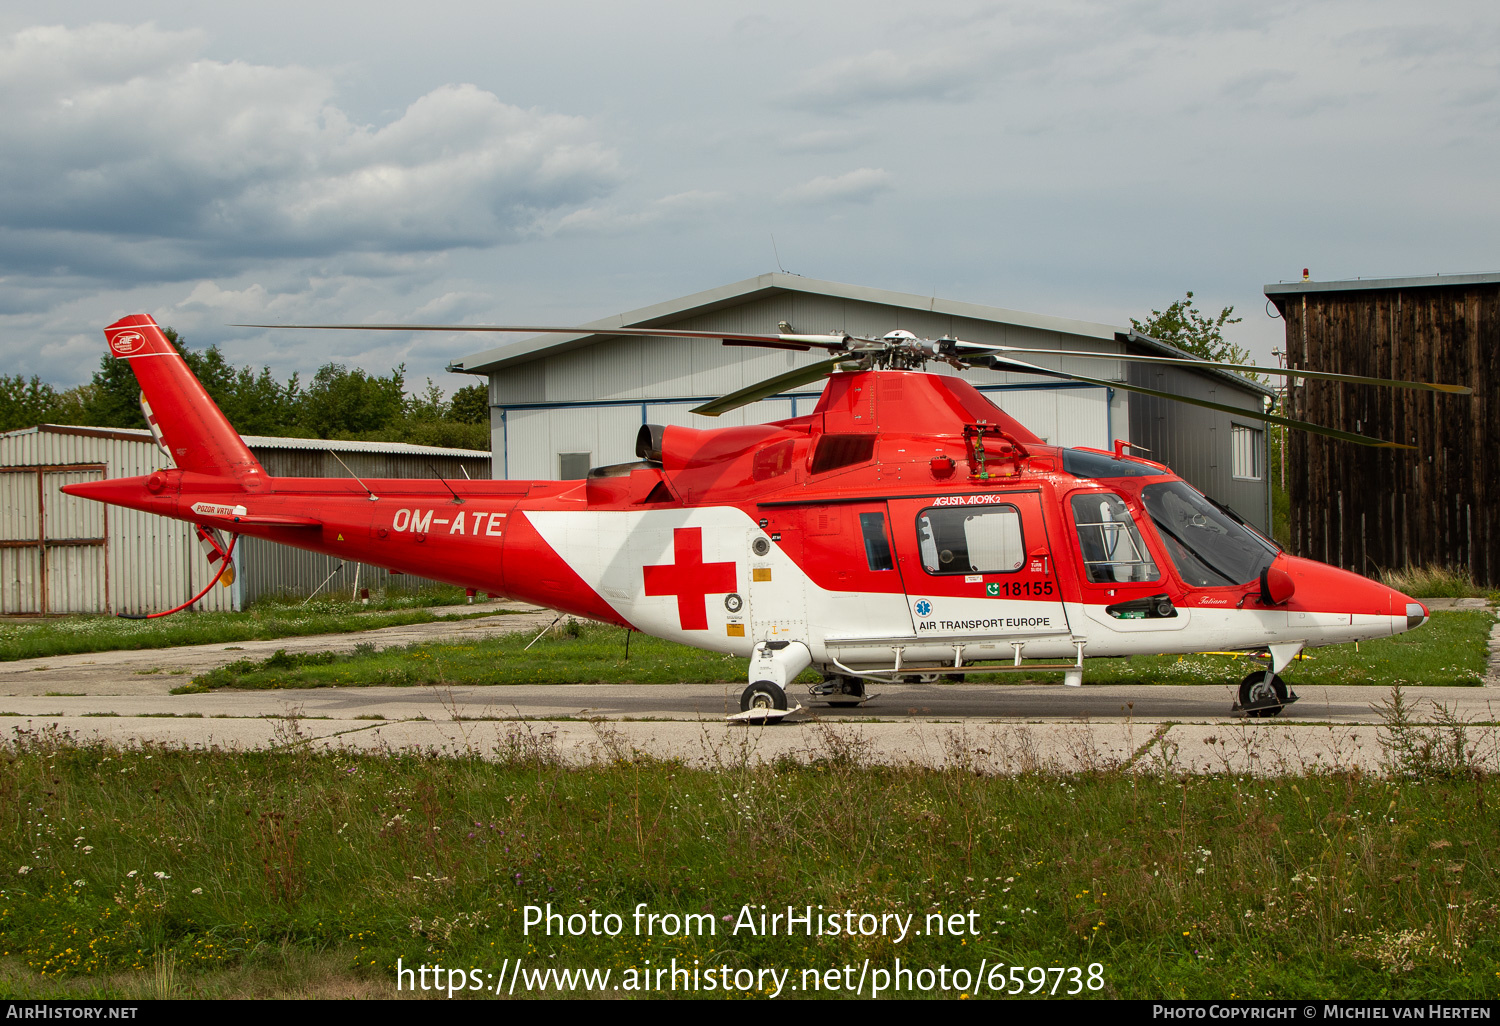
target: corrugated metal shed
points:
(557, 398)
(60, 554)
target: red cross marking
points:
(690, 579)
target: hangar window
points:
(966, 540)
(573, 466)
(1248, 444)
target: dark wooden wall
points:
(1370, 509)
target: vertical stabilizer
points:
(192, 428)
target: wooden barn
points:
(1370, 509)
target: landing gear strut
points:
(773, 664)
(838, 690)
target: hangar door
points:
(52, 546)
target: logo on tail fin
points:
(127, 342)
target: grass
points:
(381, 599)
(573, 653)
(1450, 650)
(264, 620)
(152, 872)
(1435, 582)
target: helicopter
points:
(908, 528)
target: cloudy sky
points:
(553, 163)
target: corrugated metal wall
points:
(280, 462)
(149, 563)
(272, 569)
(1197, 443)
(20, 559)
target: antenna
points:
(373, 496)
(457, 501)
(777, 255)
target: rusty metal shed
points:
(1374, 509)
(60, 554)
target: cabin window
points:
(971, 540)
(573, 466)
(1247, 444)
(877, 544)
(1113, 552)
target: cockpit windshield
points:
(1208, 548)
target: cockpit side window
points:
(1113, 552)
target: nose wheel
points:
(1263, 694)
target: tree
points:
(1183, 325)
(471, 405)
(23, 403)
(338, 402)
(343, 403)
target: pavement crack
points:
(1155, 738)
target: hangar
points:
(562, 404)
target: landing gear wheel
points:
(933, 678)
(1261, 689)
(763, 695)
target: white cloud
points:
(679, 208)
(860, 186)
(884, 76)
(111, 133)
(826, 140)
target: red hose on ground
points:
(223, 565)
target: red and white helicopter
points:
(907, 526)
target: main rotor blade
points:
(769, 387)
(778, 341)
(1286, 372)
(1269, 418)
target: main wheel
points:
(852, 686)
(763, 694)
(1258, 687)
(850, 691)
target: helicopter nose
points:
(1330, 589)
(1416, 614)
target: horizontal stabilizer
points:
(262, 520)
